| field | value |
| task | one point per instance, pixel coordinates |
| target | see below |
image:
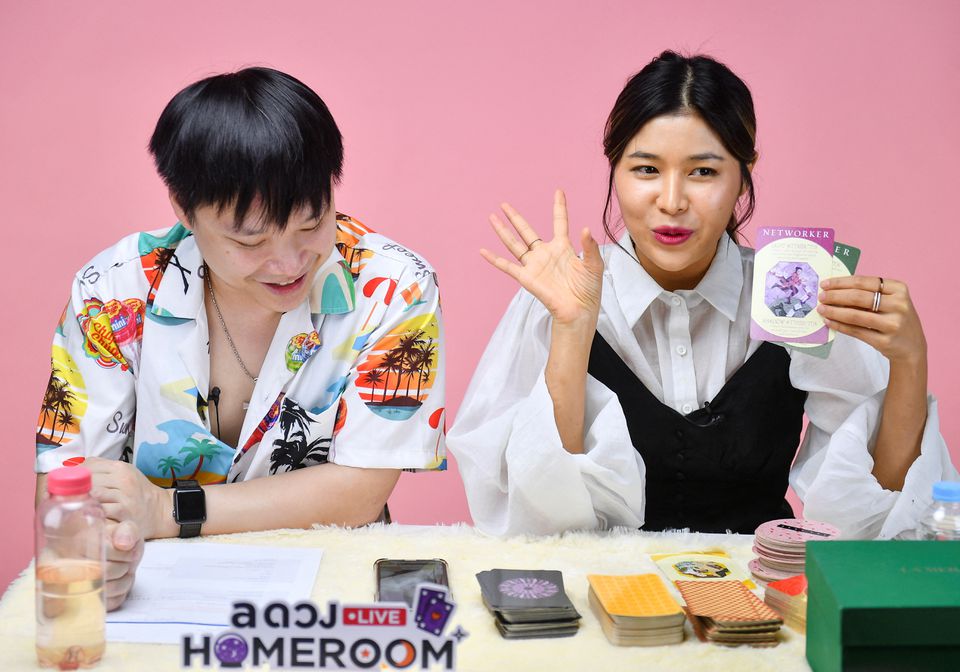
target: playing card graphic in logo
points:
(433, 610)
(528, 588)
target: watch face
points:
(190, 506)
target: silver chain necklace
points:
(223, 325)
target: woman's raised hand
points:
(569, 287)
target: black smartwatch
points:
(189, 507)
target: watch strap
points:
(188, 530)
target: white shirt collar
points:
(635, 290)
(723, 282)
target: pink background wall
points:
(446, 111)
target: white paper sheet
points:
(188, 588)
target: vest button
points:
(680, 457)
(680, 476)
(679, 433)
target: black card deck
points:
(528, 603)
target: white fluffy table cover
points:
(346, 573)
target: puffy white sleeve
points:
(833, 470)
(517, 475)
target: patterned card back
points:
(725, 601)
(634, 595)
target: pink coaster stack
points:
(780, 546)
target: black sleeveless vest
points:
(724, 466)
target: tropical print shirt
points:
(354, 375)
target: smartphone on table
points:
(397, 579)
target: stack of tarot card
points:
(726, 612)
(780, 546)
(789, 599)
(528, 603)
(636, 610)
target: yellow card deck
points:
(636, 610)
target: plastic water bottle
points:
(70, 568)
(942, 520)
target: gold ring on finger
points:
(881, 285)
(530, 246)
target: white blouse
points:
(683, 346)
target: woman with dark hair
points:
(623, 388)
(265, 363)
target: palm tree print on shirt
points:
(64, 403)
(399, 371)
(374, 378)
(293, 450)
(349, 233)
(198, 449)
(170, 464)
(57, 400)
(156, 253)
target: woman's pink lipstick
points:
(288, 288)
(671, 235)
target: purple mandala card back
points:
(523, 589)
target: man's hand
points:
(124, 552)
(127, 495)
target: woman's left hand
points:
(894, 329)
(126, 494)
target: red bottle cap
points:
(69, 481)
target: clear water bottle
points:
(70, 568)
(942, 520)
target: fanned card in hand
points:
(845, 260)
(788, 267)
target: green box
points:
(883, 605)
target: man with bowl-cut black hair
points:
(264, 333)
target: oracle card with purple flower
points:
(788, 267)
(845, 260)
